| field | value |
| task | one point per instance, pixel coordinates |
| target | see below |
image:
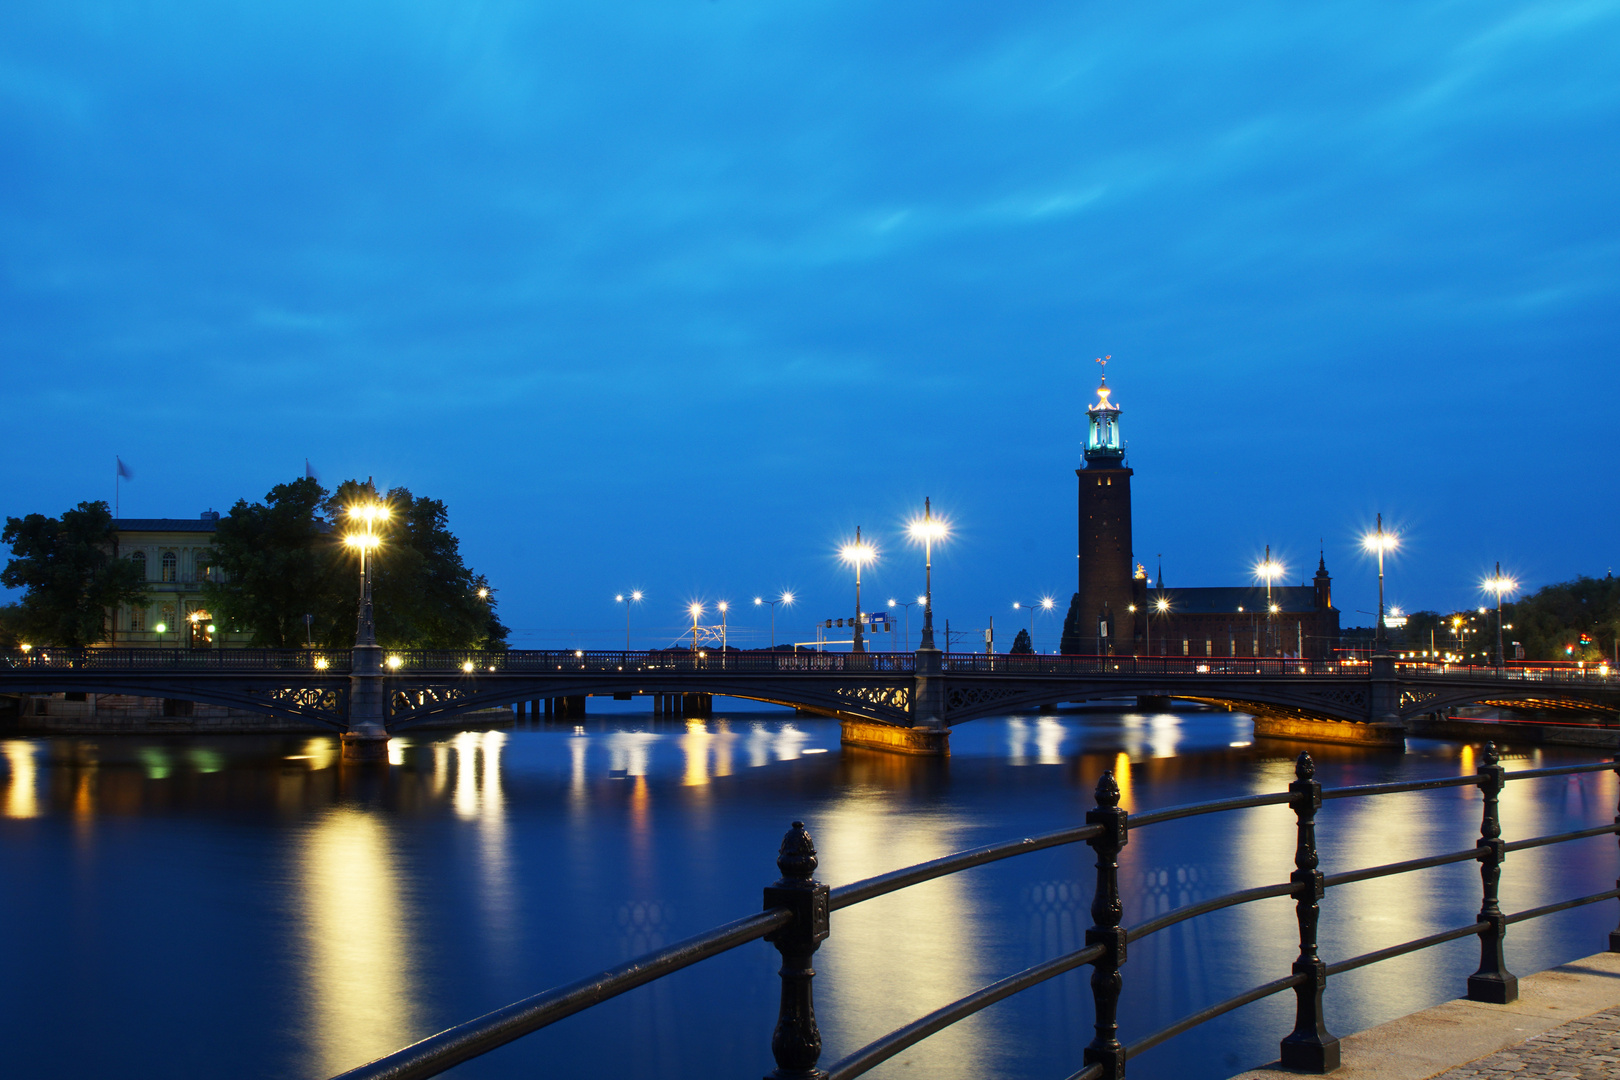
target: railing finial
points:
(796, 1042)
(1107, 790)
(1304, 767)
(796, 858)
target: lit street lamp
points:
(858, 555)
(1380, 541)
(1046, 603)
(928, 529)
(907, 606)
(724, 607)
(1501, 586)
(695, 610)
(1267, 569)
(1162, 607)
(369, 515)
(785, 599)
(625, 599)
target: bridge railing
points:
(149, 659)
(1037, 664)
(797, 908)
(670, 661)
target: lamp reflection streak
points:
(22, 797)
(361, 983)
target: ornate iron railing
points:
(797, 909)
(710, 662)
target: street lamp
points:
(695, 610)
(908, 605)
(928, 529)
(1500, 585)
(623, 598)
(1267, 569)
(724, 607)
(368, 515)
(1380, 541)
(858, 555)
(1045, 603)
(785, 599)
(1162, 606)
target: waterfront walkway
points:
(1565, 1025)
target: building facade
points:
(175, 553)
(1117, 611)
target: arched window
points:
(170, 564)
(139, 559)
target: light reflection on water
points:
(365, 907)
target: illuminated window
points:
(170, 565)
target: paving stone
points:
(1584, 1049)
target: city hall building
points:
(1117, 611)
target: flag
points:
(124, 471)
(309, 471)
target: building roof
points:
(207, 523)
(1218, 600)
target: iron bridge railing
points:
(796, 920)
(711, 662)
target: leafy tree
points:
(1071, 643)
(1568, 620)
(279, 562)
(1022, 644)
(285, 558)
(12, 627)
(71, 574)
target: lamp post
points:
(1162, 607)
(786, 599)
(907, 607)
(724, 607)
(1379, 541)
(367, 736)
(1267, 569)
(626, 599)
(694, 610)
(858, 555)
(1500, 586)
(928, 529)
(1045, 603)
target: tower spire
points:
(1103, 447)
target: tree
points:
(71, 574)
(1022, 645)
(279, 562)
(12, 627)
(1568, 620)
(285, 558)
(423, 595)
(1071, 642)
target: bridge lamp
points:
(483, 594)
(321, 664)
(723, 607)
(467, 666)
(634, 597)
(927, 531)
(368, 516)
(1379, 542)
(394, 662)
(694, 610)
(858, 554)
(1500, 584)
(786, 599)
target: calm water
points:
(247, 907)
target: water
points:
(246, 907)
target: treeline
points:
(279, 560)
(1568, 620)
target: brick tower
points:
(1102, 617)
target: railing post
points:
(1106, 909)
(1310, 1048)
(1493, 982)
(1614, 935)
(796, 1042)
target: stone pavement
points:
(1565, 1026)
(1585, 1049)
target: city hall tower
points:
(1103, 616)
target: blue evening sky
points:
(672, 295)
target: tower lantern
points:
(1102, 440)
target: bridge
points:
(906, 702)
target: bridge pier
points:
(698, 704)
(928, 736)
(367, 737)
(1348, 732)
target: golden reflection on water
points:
(22, 796)
(885, 955)
(361, 989)
(1122, 776)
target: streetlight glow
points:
(858, 554)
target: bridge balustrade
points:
(797, 911)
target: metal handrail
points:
(463, 1042)
(875, 1053)
(796, 922)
